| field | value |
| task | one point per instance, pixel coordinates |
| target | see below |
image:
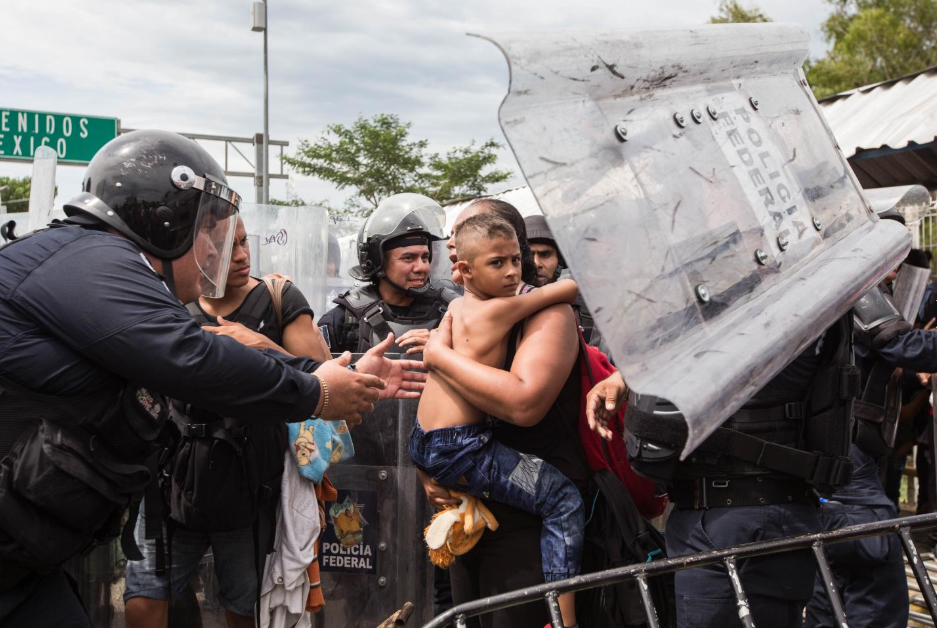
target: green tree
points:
(16, 196)
(375, 158)
(293, 202)
(873, 41)
(731, 12)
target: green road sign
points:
(74, 138)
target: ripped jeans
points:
(466, 458)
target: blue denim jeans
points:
(467, 458)
(232, 554)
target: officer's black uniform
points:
(361, 319)
(91, 343)
(870, 572)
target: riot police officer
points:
(394, 255)
(94, 338)
(757, 477)
(870, 572)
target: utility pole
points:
(259, 15)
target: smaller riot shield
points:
(42, 188)
(911, 201)
(373, 558)
(342, 256)
(909, 290)
(292, 241)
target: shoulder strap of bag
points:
(276, 286)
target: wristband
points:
(325, 395)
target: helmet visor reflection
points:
(214, 238)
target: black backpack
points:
(225, 474)
(617, 536)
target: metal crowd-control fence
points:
(641, 572)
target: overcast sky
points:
(195, 66)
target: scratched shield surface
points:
(712, 222)
(292, 241)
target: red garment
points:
(594, 367)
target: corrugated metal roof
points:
(893, 114)
(521, 198)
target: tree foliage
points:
(870, 41)
(16, 196)
(293, 202)
(731, 12)
(873, 41)
(375, 158)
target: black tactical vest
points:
(368, 319)
(771, 450)
(69, 466)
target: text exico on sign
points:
(74, 138)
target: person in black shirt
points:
(247, 313)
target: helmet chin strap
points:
(410, 292)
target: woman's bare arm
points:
(524, 394)
(301, 337)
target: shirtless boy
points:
(451, 440)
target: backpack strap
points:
(276, 286)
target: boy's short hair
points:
(479, 228)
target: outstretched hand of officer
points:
(603, 402)
(350, 394)
(413, 340)
(401, 376)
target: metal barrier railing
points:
(458, 615)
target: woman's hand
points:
(440, 339)
(603, 402)
(438, 496)
(242, 334)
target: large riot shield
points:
(700, 199)
(42, 188)
(343, 255)
(292, 241)
(373, 558)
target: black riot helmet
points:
(166, 194)
(400, 220)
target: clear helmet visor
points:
(405, 212)
(213, 243)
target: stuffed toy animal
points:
(456, 530)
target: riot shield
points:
(700, 199)
(343, 255)
(911, 201)
(909, 290)
(292, 241)
(372, 557)
(42, 188)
